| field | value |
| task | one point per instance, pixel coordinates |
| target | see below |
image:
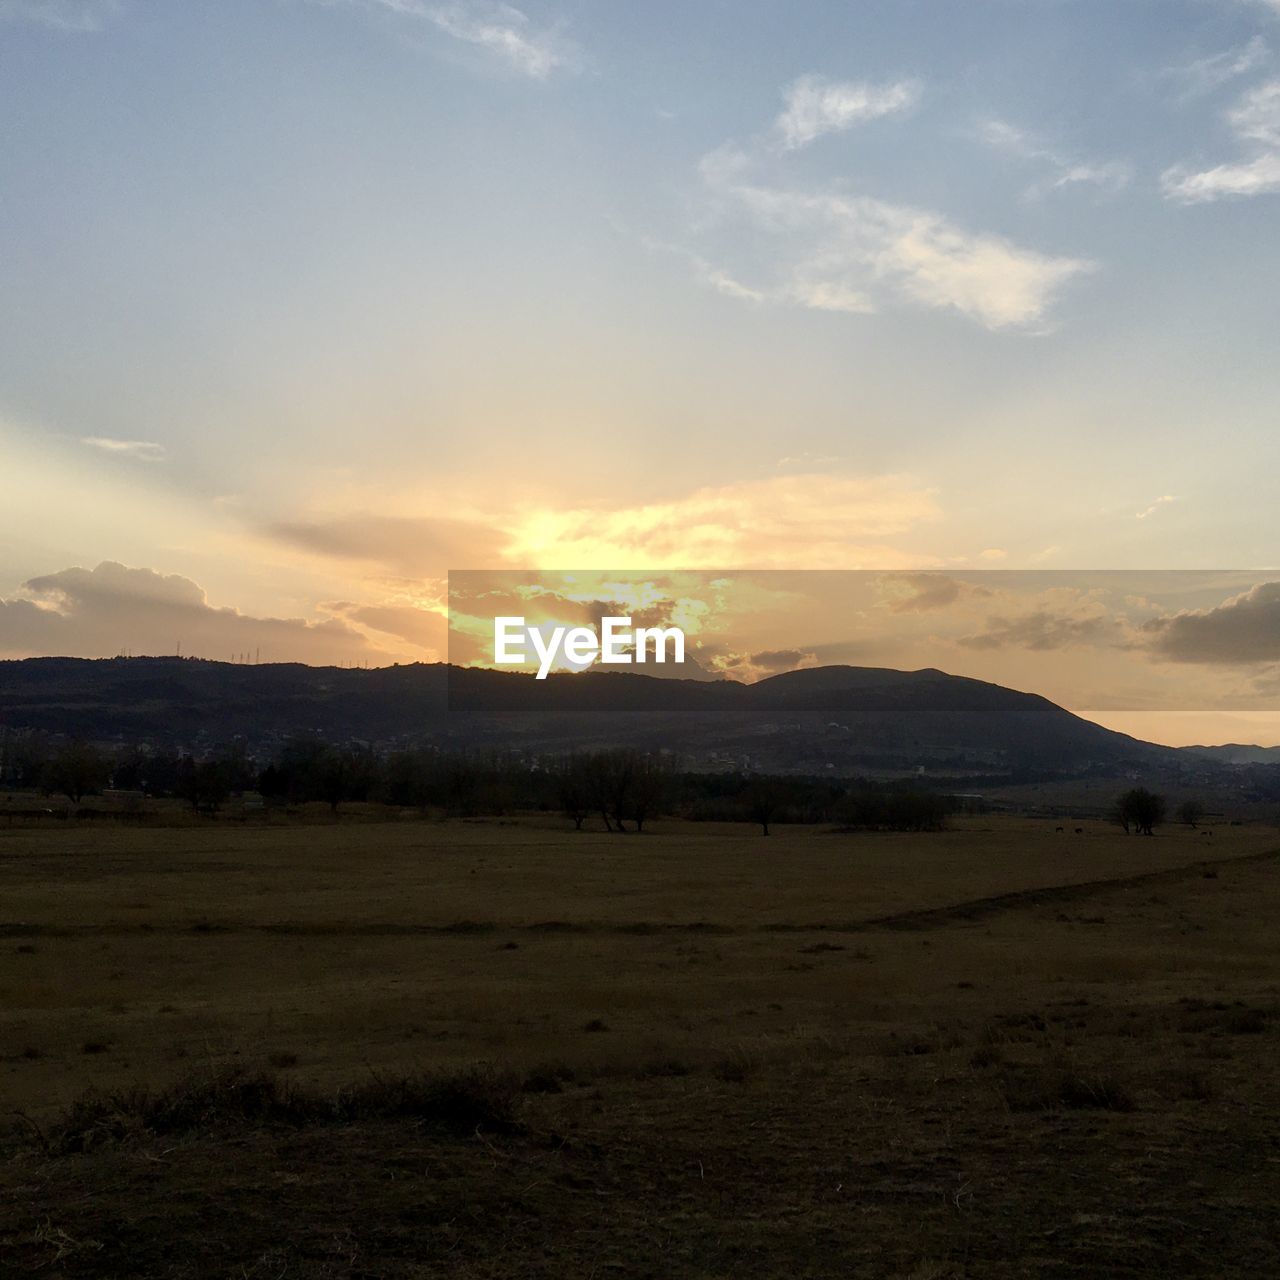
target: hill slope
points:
(827, 717)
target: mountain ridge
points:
(842, 718)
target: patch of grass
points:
(283, 1060)
(737, 1066)
(986, 1055)
(548, 1077)
(1065, 1088)
(93, 1046)
(666, 1067)
(596, 1024)
(1246, 1022)
(457, 1102)
(911, 1045)
(1189, 1085)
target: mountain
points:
(827, 718)
(1237, 753)
(187, 701)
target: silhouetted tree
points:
(573, 790)
(1139, 811)
(763, 799)
(647, 787)
(1190, 812)
(75, 771)
(205, 784)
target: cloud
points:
(801, 519)
(101, 612)
(1241, 631)
(1256, 118)
(425, 628)
(1207, 74)
(1162, 501)
(855, 254)
(499, 29)
(142, 450)
(1061, 618)
(1255, 122)
(748, 668)
(74, 16)
(508, 33)
(781, 659)
(923, 592)
(708, 273)
(1064, 171)
(413, 545)
(786, 521)
(816, 106)
(1259, 176)
(829, 250)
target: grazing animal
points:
(1059, 829)
(1079, 831)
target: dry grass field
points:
(997, 1051)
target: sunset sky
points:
(305, 302)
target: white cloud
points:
(143, 450)
(1065, 171)
(500, 29)
(508, 33)
(1204, 75)
(1256, 118)
(855, 253)
(1255, 122)
(1164, 500)
(834, 251)
(62, 15)
(817, 106)
(1257, 177)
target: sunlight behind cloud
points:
(819, 521)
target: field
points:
(1003, 1050)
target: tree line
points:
(621, 789)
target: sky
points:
(304, 303)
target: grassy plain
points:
(997, 1051)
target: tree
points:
(1190, 812)
(648, 790)
(347, 774)
(214, 783)
(1140, 811)
(204, 784)
(572, 790)
(76, 771)
(608, 779)
(763, 799)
